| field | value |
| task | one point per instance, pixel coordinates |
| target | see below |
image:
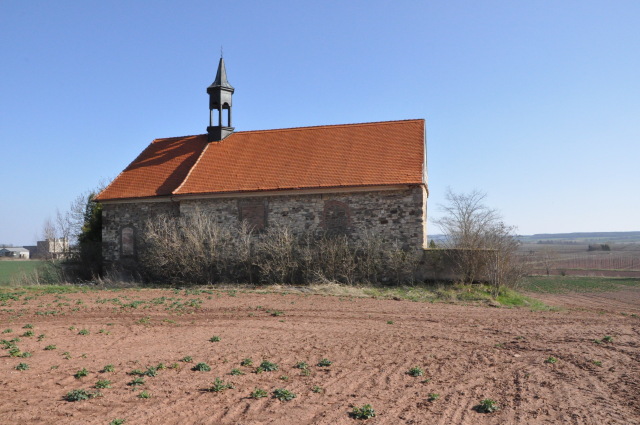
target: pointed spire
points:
(221, 76)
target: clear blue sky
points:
(536, 103)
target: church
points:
(345, 178)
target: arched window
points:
(127, 239)
(336, 217)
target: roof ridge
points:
(298, 128)
(357, 124)
(195, 164)
(163, 139)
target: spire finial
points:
(221, 52)
(221, 76)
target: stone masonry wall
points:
(394, 215)
(116, 217)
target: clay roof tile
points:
(383, 153)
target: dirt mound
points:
(540, 367)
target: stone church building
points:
(348, 178)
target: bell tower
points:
(220, 93)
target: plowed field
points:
(467, 353)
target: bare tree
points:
(78, 218)
(76, 214)
(402, 263)
(50, 235)
(465, 222)
(64, 228)
(333, 259)
(503, 265)
(548, 256)
(244, 251)
(276, 257)
(196, 249)
(480, 244)
(49, 230)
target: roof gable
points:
(383, 153)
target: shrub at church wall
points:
(195, 249)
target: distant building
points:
(15, 252)
(51, 249)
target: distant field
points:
(623, 260)
(565, 284)
(13, 269)
(585, 237)
(600, 294)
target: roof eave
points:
(300, 190)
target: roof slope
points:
(384, 153)
(15, 249)
(158, 170)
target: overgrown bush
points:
(89, 254)
(196, 249)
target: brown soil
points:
(468, 353)
(623, 301)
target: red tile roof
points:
(158, 170)
(370, 154)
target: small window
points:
(336, 217)
(128, 242)
(254, 213)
